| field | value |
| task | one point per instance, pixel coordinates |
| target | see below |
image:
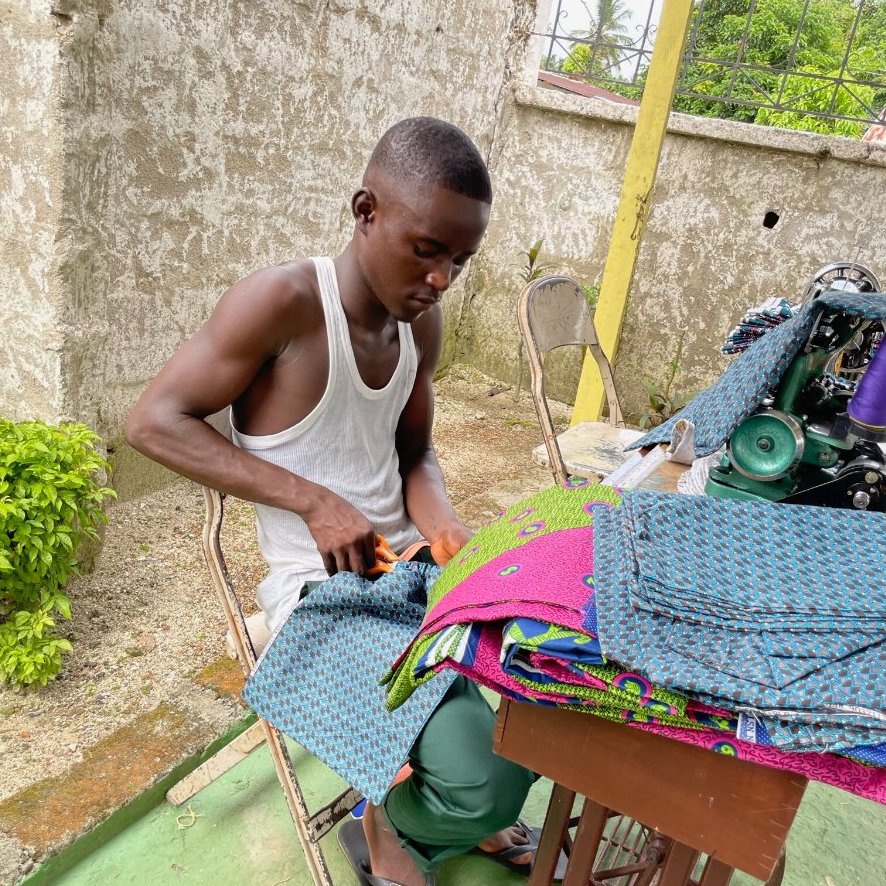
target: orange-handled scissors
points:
(385, 558)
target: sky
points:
(637, 8)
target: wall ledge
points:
(766, 137)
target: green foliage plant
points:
(829, 45)
(51, 496)
(532, 269)
(663, 403)
(591, 293)
(801, 93)
(799, 53)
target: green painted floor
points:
(241, 833)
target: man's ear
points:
(363, 207)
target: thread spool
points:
(867, 408)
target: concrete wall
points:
(205, 139)
(31, 166)
(706, 255)
(156, 150)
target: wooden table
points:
(736, 812)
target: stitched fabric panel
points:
(318, 679)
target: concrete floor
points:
(240, 833)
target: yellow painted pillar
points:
(636, 194)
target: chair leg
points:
(298, 809)
(217, 765)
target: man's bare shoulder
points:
(280, 289)
(276, 304)
(427, 332)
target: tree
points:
(804, 39)
(600, 55)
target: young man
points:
(328, 365)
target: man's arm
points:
(423, 488)
(252, 323)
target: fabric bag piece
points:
(318, 678)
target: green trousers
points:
(459, 792)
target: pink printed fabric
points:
(840, 772)
(521, 582)
(863, 781)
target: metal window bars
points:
(613, 53)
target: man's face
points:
(417, 243)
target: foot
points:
(512, 836)
(387, 858)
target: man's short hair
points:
(433, 152)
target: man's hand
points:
(447, 543)
(345, 538)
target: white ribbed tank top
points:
(346, 443)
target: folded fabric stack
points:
(754, 631)
(756, 322)
(776, 612)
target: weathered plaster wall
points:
(556, 177)
(706, 255)
(157, 150)
(207, 139)
(30, 204)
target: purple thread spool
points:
(867, 407)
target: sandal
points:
(352, 841)
(506, 856)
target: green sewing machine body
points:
(799, 446)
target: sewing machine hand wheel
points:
(847, 275)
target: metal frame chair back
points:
(309, 827)
(553, 312)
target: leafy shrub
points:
(50, 501)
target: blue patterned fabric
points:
(817, 733)
(759, 607)
(873, 755)
(717, 411)
(457, 643)
(318, 679)
(760, 731)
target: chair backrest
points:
(553, 312)
(215, 559)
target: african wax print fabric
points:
(505, 572)
(317, 680)
(517, 611)
(717, 411)
(756, 322)
(755, 606)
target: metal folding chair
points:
(310, 827)
(553, 313)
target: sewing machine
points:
(815, 441)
